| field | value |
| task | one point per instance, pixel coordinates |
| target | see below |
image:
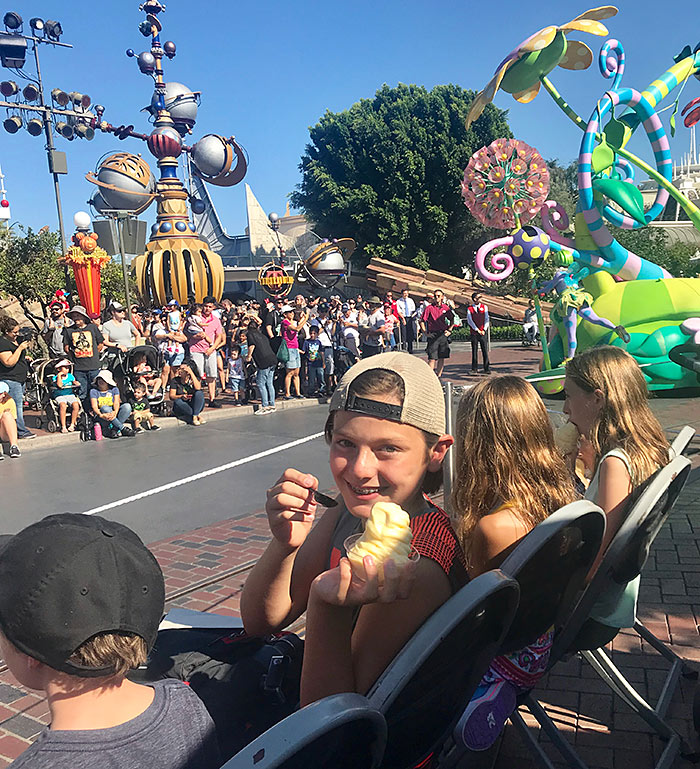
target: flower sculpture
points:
(86, 258)
(520, 72)
(505, 183)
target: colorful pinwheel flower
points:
(520, 72)
(504, 180)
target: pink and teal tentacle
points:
(615, 258)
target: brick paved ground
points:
(573, 695)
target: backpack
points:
(246, 683)
(86, 428)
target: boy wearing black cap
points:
(80, 603)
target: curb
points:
(171, 423)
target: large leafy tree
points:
(387, 172)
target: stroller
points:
(127, 377)
(38, 394)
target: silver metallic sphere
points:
(210, 156)
(146, 62)
(181, 102)
(127, 181)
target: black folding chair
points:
(550, 566)
(428, 684)
(623, 561)
(338, 732)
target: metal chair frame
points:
(283, 742)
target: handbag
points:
(283, 352)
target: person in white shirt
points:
(530, 323)
(407, 313)
(349, 325)
(372, 344)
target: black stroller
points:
(38, 394)
(136, 364)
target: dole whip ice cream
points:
(387, 535)
(566, 438)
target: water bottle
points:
(98, 431)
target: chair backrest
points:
(550, 565)
(628, 551)
(681, 441)
(338, 732)
(427, 686)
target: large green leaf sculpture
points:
(626, 195)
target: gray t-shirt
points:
(120, 333)
(174, 731)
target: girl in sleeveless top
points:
(509, 477)
(607, 401)
(387, 437)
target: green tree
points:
(29, 268)
(387, 172)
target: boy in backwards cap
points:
(80, 603)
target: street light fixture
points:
(53, 30)
(12, 124)
(85, 131)
(12, 21)
(30, 92)
(35, 126)
(59, 114)
(60, 97)
(65, 129)
(8, 88)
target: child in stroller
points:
(142, 365)
(62, 394)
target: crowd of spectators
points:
(281, 347)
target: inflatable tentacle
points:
(612, 61)
(500, 261)
(555, 220)
(616, 259)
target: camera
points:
(27, 334)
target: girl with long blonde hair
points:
(509, 477)
(607, 401)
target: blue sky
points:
(269, 70)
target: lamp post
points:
(71, 122)
(275, 227)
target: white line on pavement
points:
(204, 474)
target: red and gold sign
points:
(275, 279)
(86, 258)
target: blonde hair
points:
(120, 651)
(506, 453)
(378, 383)
(625, 420)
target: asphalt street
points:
(85, 477)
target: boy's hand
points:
(291, 507)
(342, 586)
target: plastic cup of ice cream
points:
(413, 557)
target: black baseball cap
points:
(71, 576)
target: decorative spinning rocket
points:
(177, 264)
